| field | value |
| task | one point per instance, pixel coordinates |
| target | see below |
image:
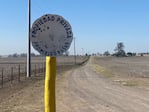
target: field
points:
(129, 71)
(101, 84)
(15, 69)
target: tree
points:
(15, 55)
(23, 55)
(66, 53)
(129, 54)
(120, 52)
(106, 53)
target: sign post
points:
(50, 77)
(51, 36)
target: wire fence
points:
(11, 73)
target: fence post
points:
(35, 70)
(25, 71)
(11, 74)
(2, 77)
(38, 68)
(43, 67)
(19, 73)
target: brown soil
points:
(81, 89)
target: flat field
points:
(39, 62)
(15, 69)
(103, 84)
(129, 71)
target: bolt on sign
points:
(51, 35)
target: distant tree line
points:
(15, 55)
(106, 53)
(120, 52)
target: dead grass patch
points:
(100, 69)
(129, 83)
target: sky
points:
(97, 25)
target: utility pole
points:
(74, 51)
(29, 44)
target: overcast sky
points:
(97, 24)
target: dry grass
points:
(128, 82)
(102, 70)
(128, 71)
(37, 66)
(98, 68)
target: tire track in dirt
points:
(80, 90)
(87, 91)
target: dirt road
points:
(80, 90)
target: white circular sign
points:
(51, 35)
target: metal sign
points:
(51, 35)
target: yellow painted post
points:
(50, 77)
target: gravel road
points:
(83, 90)
(80, 90)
